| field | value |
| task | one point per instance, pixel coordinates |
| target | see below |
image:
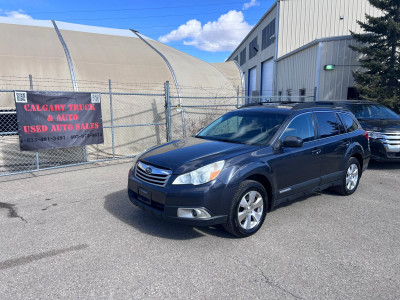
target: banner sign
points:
(49, 120)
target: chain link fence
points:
(133, 120)
(135, 117)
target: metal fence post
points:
(37, 153)
(112, 118)
(237, 97)
(167, 110)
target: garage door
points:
(267, 78)
(252, 82)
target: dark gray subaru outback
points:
(249, 161)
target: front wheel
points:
(351, 178)
(248, 209)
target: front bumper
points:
(382, 151)
(163, 202)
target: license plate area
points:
(144, 196)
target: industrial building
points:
(299, 50)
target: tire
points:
(351, 178)
(248, 209)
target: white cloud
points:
(192, 28)
(252, 3)
(16, 14)
(221, 35)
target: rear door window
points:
(349, 123)
(327, 124)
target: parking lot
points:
(72, 233)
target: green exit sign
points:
(329, 67)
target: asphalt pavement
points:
(73, 234)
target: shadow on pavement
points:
(120, 207)
(374, 165)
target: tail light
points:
(366, 135)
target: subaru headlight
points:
(375, 135)
(202, 175)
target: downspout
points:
(318, 73)
(278, 4)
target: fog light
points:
(193, 213)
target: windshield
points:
(371, 111)
(244, 127)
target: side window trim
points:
(350, 116)
(341, 119)
(341, 124)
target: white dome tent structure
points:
(45, 55)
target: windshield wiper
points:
(217, 139)
(228, 141)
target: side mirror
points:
(292, 142)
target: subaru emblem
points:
(149, 170)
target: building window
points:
(268, 35)
(8, 122)
(253, 48)
(243, 57)
(302, 93)
(352, 94)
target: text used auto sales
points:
(60, 117)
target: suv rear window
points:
(327, 124)
(349, 123)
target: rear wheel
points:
(248, 209)
(351, 178)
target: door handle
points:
(346, 143)
(316, 151)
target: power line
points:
(177, 25)
(143, 17)
(132, 9)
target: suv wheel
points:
(351, 178)
(248, 209)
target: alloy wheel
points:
(352, 177)
(250, 210)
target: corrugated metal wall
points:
(303, 21)
(334, 84)
(298, 71)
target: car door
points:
(334, 144)
(297, 169)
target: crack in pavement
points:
(47, 207)
(12, 211)
(11, 263)
(271, 283)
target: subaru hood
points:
(186, 155)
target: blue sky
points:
(207, 29)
